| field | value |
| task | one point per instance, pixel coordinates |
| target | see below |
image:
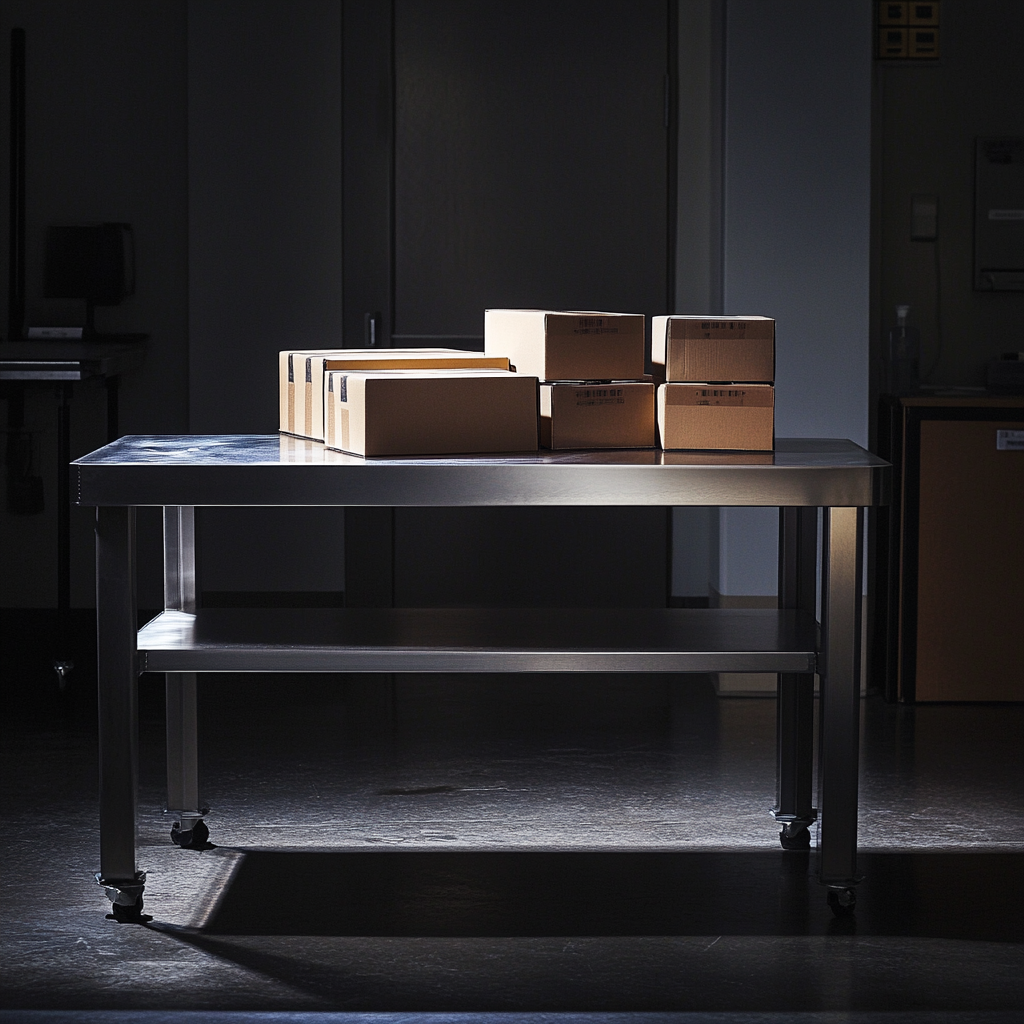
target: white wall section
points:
(797, 218)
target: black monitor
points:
(95, 262)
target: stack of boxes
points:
(575, 379)
(593, 391)
(718, 374)
(407, 401)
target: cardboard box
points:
(720, 348)
(431, 412)
(302, 376)
(619, 414)
(738, 417)
(569, 346)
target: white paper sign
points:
(1010, 440)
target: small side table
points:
(59, 364)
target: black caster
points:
(128, 913)
(195, 838)
(798, 840)
(842, 902)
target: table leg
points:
(839, 668)
(370, 583)
(180, 688)
(63, 664)
(117, 673)
(798, 544)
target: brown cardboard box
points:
(619, 414)
(740, 417)
(568, 345)
(431, 412)
(301, 376)
(719, 348)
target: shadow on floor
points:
(976, 896)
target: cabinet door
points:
(970, 581)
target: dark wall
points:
(264, 120)
(109, 138)
(106, 141)
(264, 208)
(926, 118)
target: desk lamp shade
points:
(95, 262)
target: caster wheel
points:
(800, 840)
(842, 902)
(125, 914)
(195, 838)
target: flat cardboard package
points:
(431, 412)
(568, 346)
(619, 414)
(739, 417)
(721, 348)
(302, 373)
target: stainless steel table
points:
(182, 472)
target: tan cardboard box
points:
(301, 376)
(719, 348)
(740, 417)
(567, 345)
(619, 414)
(431, 412)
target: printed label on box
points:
(598, 396)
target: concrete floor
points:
(518, 849)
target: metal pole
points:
(62, 663)
(16, 221)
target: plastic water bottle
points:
(903, 356)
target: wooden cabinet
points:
(949, 553)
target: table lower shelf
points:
(480, 640)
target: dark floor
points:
(549, 848)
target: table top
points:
(67, 360)
(231, 469)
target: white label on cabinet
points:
(1010, 440)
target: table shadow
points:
(949, 895)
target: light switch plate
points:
(924, 218)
